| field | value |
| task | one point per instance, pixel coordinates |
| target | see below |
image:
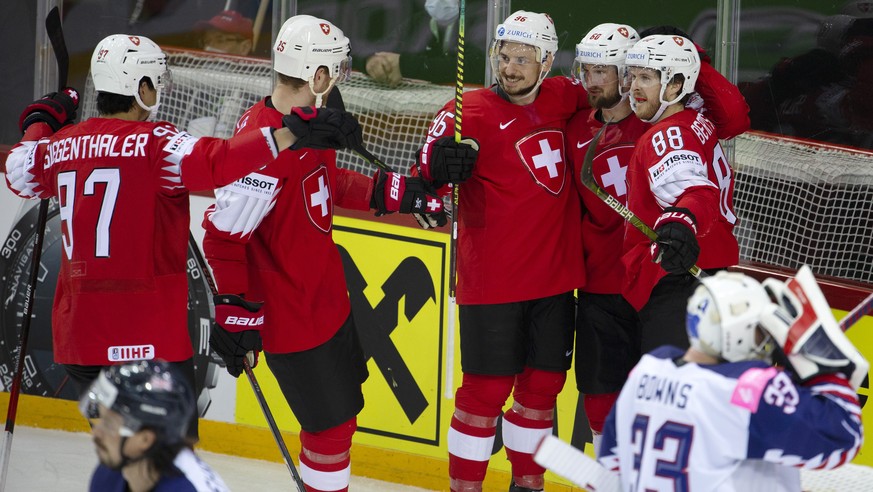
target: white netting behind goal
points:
(804, 203)
(210, 92)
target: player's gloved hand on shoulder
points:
(450, 161)
(236, 331)
(57, 109)
(676, 248)
(816, 345)
(393, 192)
(323, 128)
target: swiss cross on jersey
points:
(318, 199)
(543, 154)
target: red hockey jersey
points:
(678, 163)
(603, 227)
(123, 189)
(269, 236)
(519, 234)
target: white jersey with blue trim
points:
(743, 426)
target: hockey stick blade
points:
(576, 466)
(56, 36)
(586, 176)
(857, 313)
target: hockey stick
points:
(456, 209)
(56, 36)
(372, 159)
(256, 388)
(587, 177)
(576, 466)
(857, 313)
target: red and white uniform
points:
(519, 232)
(123, 190)
(678, 163)
(270, 236)
(602, 227)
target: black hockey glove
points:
(450, 161)
(395, 193)
(676, 248)
(236, 331)
(323, 128)
(58, 109)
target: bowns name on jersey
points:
(657, 389)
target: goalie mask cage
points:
(798, 202)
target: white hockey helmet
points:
(671, 55)
(529, 28)
(606, 44)
(532, 28)
(120, 62)
(305, 43)
(723, 315)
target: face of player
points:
(601, 82)
(645, 91)
(113, 442)
(224, 42)
(518, 68)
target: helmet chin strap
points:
(319, 96)
(153, 109)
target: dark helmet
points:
(146, 393)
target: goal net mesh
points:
(210, 92)
(798, 202)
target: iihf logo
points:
(113, 354)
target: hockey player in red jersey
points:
(122, 184)
(518, 250)
(679, 180)
(608, 336)
(719, 416)
(269, 241)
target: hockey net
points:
(210, 92)
(801, 202)
(798, 202)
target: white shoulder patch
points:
(255, 185)
(677, 171)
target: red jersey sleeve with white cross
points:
(679, 163)
(269, 236)
(122, 188)
(603, 227)
(519, 233)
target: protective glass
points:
(522, 56)
(345, 70)
(642, 77)
(594, 75)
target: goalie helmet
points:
(146, 394)
(120, 62)
(671, 56)
(722, 317)
(606, 44)
(305, 43)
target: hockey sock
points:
(325, 464)
(474, 425)
(528, 421)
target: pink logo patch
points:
(543, 154)
(319, 199)
(750, 386)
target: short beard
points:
(517, 92)
(603, 102)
